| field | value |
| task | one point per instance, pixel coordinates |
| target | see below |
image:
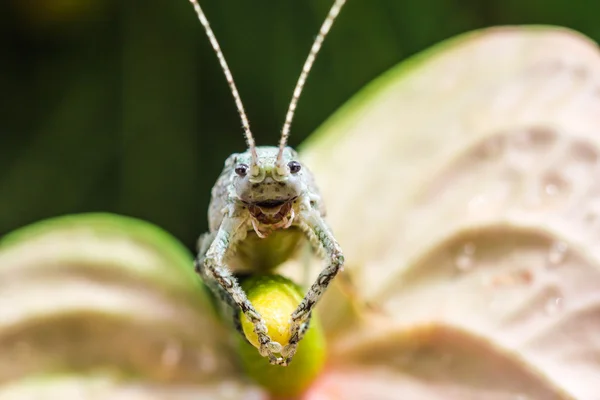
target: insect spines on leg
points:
(264, 203)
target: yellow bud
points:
(276, 298)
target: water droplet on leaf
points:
(554, 305)
(207, 361)
(171, 354)
(465, 257)
(558, 252)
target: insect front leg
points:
(219, 291)
(225, 303)
(322, 239)
(212, 268)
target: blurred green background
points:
(120, 105)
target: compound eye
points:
(242, 170)
(294, 166)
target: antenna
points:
(236, 96)
(285, 132)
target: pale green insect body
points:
(271, 205)
(258, 221)
(264, 205)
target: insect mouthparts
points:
(270, 203)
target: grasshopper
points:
(264, 205)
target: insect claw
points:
(257, 230)
(281, 361)
(289, 350)
(264, 352)
(276, 360)
(288, 221)
(275, 347)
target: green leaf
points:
(99, 297)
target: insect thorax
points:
(271, 204)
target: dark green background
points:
(119, 105)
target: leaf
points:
(463, 186)
(108, 306)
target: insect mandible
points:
(266, 199)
